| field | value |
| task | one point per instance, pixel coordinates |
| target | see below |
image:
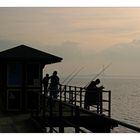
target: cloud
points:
(123, 52)
(68, 50)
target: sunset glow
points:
(82, 36)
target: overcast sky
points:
(83, 37)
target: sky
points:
(84, 37)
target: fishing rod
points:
(72, 78)
(74, 75)
(69, 75)
(98, 74)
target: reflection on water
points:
(125, 99)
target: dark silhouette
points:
(54, 85)
(92, 95)
(45, 82)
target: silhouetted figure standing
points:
(92, 95)
(54, 85)
(45, 82)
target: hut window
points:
(32, 74)
(14, 74)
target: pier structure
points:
(67, 111)
(26, 108)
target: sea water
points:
(125, 99)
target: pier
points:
(55, 115)
(68, 111)
(26, 108)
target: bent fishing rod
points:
(75, 70)
(98, 74)
(72, 77)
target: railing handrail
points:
(67, 91)
(72, 86)
(80, 91)
(130, 126)
(105, 91)
(121, 123)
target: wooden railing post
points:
(77, 115)
(60, 91)
(75, 95)
(80, 97)
(71, 97)
(98, 109)
(65, 88)
(109, 104)
(101, 102)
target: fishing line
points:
(98, 74)
(69, 75)
(74, 75)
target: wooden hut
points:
(21, 70)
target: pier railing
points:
(64, 112)
(56, 115)
(76, 96)
(70, 103)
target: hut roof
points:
(25, 53)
